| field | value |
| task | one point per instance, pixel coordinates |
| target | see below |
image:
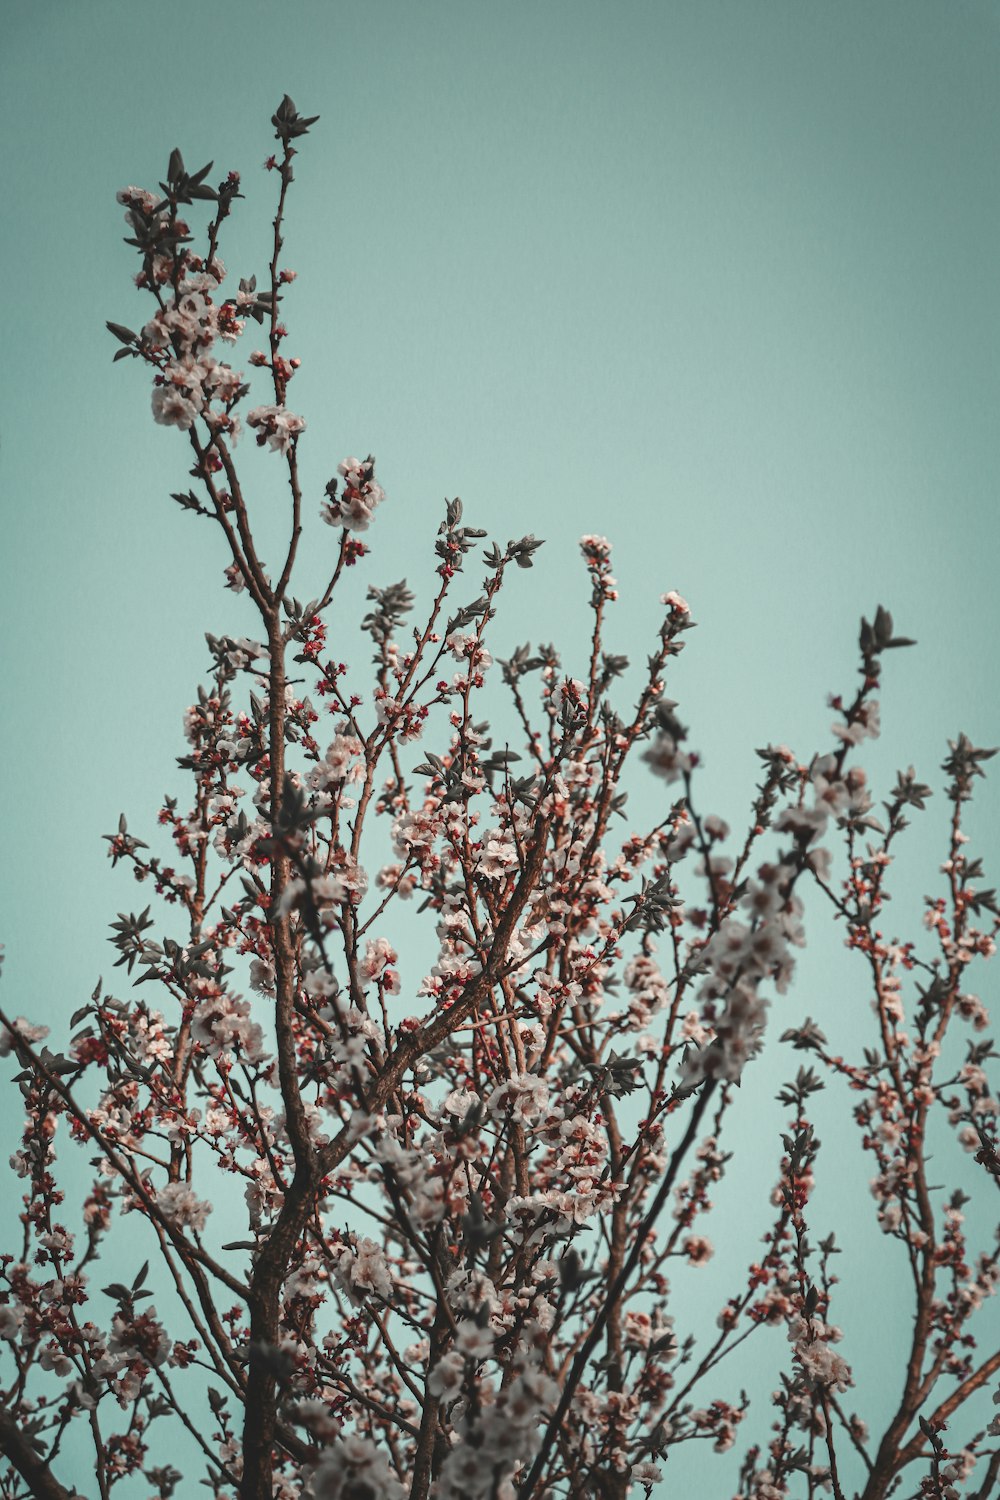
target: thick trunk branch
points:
(271, 1267)
(35, 1472)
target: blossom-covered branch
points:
(412, 1234)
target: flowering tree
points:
(458, 1202)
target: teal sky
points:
(718, 280)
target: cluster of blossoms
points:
(353, 507)
(178, 339)
(430, 1231)
(275, 426)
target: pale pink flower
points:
(20, 1028)
(178, 1203)
(278, 427)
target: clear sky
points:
(718, 280)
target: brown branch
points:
(270, 1270)
(615, 1291)
(33, 1470)
(942, 1412)
(989, 1485)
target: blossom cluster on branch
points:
(413, 1234)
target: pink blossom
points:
(20, 1028)
(278, 427)
(180, 1205)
